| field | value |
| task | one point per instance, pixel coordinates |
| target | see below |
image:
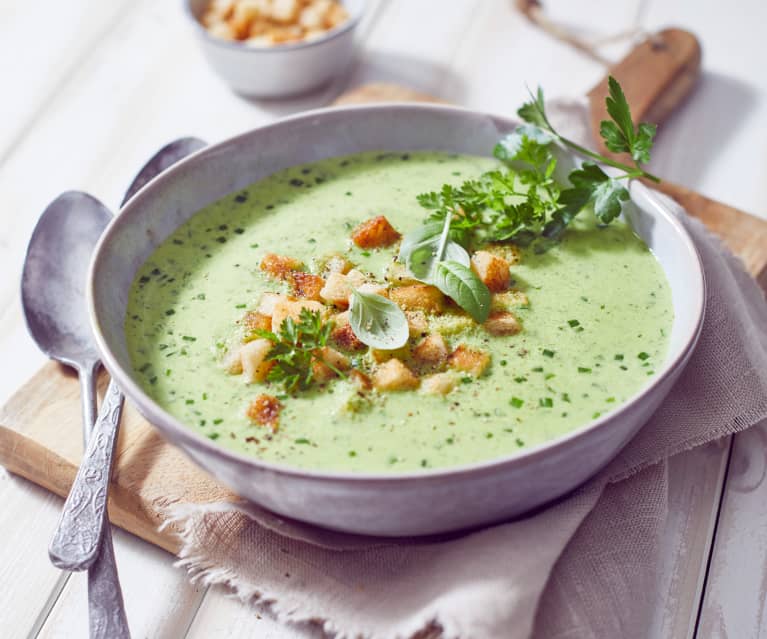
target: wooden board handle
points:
(656, 76)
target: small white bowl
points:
(280, 70)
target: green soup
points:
(594, 330)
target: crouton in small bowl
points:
(275, 48)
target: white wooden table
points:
(90, 89)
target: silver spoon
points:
(53, 298)
(75, 544)
(52, 284)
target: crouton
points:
(255, 321)
(469, 360)
(360, 380)
(305, 284)
(492, 270)
(344, 337)
(280, 266)
(502, 323)
(416, 323)
(374, 233)
(336, 264)
(508, 252)
(398, 275)
(394, 376)
(418, 297)
(330, 359)
(285, 308)
(338, 287)
(232, 362)
(373, 288)
(255, 366)
(438, 383)
(509, 299)
(267, 303)
(265, 411)
(431, 351)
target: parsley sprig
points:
(523, 202)
(297, 348)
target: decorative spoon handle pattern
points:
(75, 544)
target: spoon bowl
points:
(54, 278)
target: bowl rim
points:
(180, 434)
(332, 34)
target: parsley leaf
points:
(606, 193)
(534, 111)
(296, 348)
(619, 135)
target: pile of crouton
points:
(427, 362)
(265, 23)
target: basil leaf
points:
(419, 248)
(377, 321)
(468, 291)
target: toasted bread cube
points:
(438, 383)
(360, 380)
(509, 299)
(492, 270)
(280, 266)
(232, 362)
(255, 366)
(322, 371)
(306, 285)
(469, 360)
(394, 376)
(502, 323)
(418, 297)
(285, 308)
(255, 321)
(338, 287)
(344, 337)
(336, 264)
(508, 252)
(285, 11)
(267, 303)
(416, 323)
(265, 411)
(398, 275)
(431, 351)
(373, 288)
(374, 233)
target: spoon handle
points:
(107, 618)
(75, 544)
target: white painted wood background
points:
(88, 90)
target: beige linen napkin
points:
(583, 567)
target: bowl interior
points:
(172, 198)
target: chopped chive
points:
(624, 368)
(240, 305)
(488, 435)
(189, 401)
(547, 353)
(610, 400)
(538, 369)
(352, 453)
(595, 415)
(519, 442)
(211, 435)
(520, 380)
(450, 440)
(643, 356)
(516, 402)
(167, 372)
(188, 338)
(566, 397)
(200, 296)
(254, 246)
(573, 323)
(503, 362)
(584, 369)
(170, 312)
(549, 376)
(204, 396)
(467, 379)
(302, 440)
(365, 253)
(217, 421)
(153, 380)
(619, 357)
(546, 402)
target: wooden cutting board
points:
(40, 431)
